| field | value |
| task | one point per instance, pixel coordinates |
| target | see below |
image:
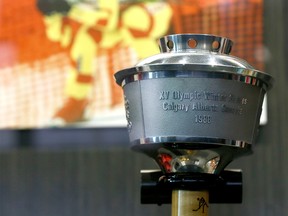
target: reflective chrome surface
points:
(193, 107)
(248, 76)
(203, 51)
(206, 155)
(203, 161)
(177, 55)
(188, 42)
(174, 140)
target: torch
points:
(193, 109)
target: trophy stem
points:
(190, 203)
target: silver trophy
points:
(193, 108)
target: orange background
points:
(22, 27)
(23, 42)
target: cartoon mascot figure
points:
(83, 28)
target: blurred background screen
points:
(58, 57)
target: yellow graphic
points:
(87, 28)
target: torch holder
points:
(156, 187)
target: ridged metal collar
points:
(192, 42)
(206, 54)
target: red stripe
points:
(82, 78)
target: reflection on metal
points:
(193, 96)
(204, 161)
(194, 109)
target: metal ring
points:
(188, 140)
(247, 76)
